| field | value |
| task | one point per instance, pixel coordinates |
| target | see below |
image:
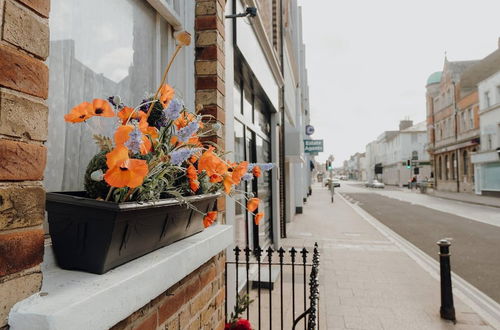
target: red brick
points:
(210, 82)
(206, 82)
(148, 324)
(20, 250)
(23, 73)
(21, 161)
(216, 112)
(206, 23)
(40, 6)
(206, 53)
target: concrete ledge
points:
(76, 300)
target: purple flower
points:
(247, 177)
(177, 157)
(186, 132)
(135, 140)
(173, 111)
(266, 167)
(263, 166)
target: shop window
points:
(453, 166)
(439, 169)
(465, 159)
(446, 167)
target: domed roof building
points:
(434, 78)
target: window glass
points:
(263, 151)
(237, 98)
(247, 105)
(239, 155)
(94, 54)
(262, 117)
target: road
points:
(476, 243)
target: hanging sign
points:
(311, 146)
(309, 130)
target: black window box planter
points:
(96, 236)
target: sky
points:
(368, 61)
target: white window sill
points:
(76, 300)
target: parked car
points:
(336, 183)
(375, 184)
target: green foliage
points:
(156, 115)
(96, 189)
(242, 303)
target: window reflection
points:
(98, 49)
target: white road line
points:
(486, 307)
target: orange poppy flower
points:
(194, 185)
(253, 204)
(209, 218)
(166, 94)
(191, 173)
(258, 217)
(128, 112)
(116, 156)
(228, 183)
(212, 164)
(80, 113)
(256, 171)
(122, 135)
(238, 172)
(129, 173)
(102, 108)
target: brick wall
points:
(24, 45)
(209, 66)
(196, 302)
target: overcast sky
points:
(368, 61)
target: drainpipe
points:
(282, 129)
(457, 174)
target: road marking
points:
(483, 305)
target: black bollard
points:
(447, 310)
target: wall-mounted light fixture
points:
(249, 11)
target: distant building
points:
(487, 159)
(452, 126)
(354, 167)
(386, 158)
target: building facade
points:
(452, 127)
(387, 158)
(487, 159)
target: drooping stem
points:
(109, 193)
(177, 49)
(130, 192)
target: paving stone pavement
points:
(368, 282)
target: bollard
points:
(447, 310)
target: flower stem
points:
(109, 193)
(177, 49)
(130, 192)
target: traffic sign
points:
(313, 146)
(309, 130)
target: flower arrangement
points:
(157, 151)
(236, 322)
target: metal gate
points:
(298, 291)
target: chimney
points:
(404, 124)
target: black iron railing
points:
(300, 269)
